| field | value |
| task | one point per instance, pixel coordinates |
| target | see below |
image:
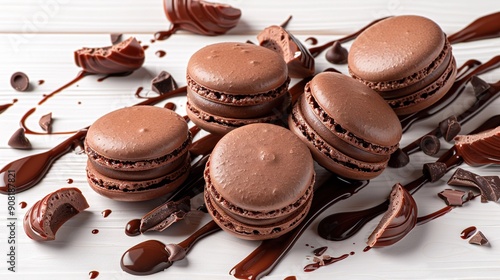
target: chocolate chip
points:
(20, 81)
(45, 122)
(453, 197)
(489, 186)
(478, 239)
(399, 159)
(163, 83)
(449, 128)
(479, 85)
(337, 54)
(434, 171)
(430, 145)
(115, 38)
(165, 215)
(18, 140)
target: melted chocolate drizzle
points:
(484, 27)
(4, 107)
(78, 77)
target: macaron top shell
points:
(237, 68)
(356, 108)
(395, 48)
(261, 167)
(137, 133)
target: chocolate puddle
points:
(341, 226)
(265, 257)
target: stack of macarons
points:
(235, 84)
(407, 59)
(137, 153)
(259, 181)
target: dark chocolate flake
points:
(20, 81)
(479, 85)
(434, 171)
(478, 239)
(18, 140)
(165, 215)
(45, 122)
(489, 186)
(337, 54)
(163, 83)
(430, 145)
(449, 128)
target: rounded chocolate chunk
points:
(20, 81)
(337, 54)
(429, 144)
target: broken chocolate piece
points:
(478, 239)
(337, 54)
(299, 60)
(434, 171)
(430, 145)
(115, 38)
(398, 220)
(449, 128)
(479, 149)
(47, 215)
(165, 215)
(452, 197)
(163, 83)
(45, 122)
(18, 140)
(489, 186)
(479, 85)
(399, 159)
(20, 81)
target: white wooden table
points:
(39, 37)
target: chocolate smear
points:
(449, 128)
(18, 140)
(337, 54)
(478, 239)
(452, 197)
(20, 81)
(430, 145)
(165, 215)
(489, 186)
(45, 122)
(479, 85)
(481, 148)
(163, 83)
(434, 171)
(115, 38)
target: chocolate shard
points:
(430, 145)
(478, 239)
(489, 186)
(165, 215)
(479, 149)
(337, 54)
(453, 197)
(434, 171)
(115, 38)
(299, 60)
(398, 220)
(45, 122)
(398, 159)
(163, 83)
(18, 140)
(449, 128)
(479, 85)
(20, 81)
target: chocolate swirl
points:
(123, 57)
(479, 149)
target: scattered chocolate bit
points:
(45, 122)
(337, 54)
(398, 159)
(481, 148)
(450, 128)
(479, 85)
(398, 220)
(93, 274)
(452, 197)
(165, 215)
(478, 239)
(434, 171)
(489, 186)
(160, 53)
(18, 140)
(163, 83)
(115, 38)
(170, 106)
(20, 81)
(105, 213)
(95, 231)
(430, 145)
(40, 82)
(320, 251)
(250, 42)
(69, 181)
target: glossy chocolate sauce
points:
(170, 106)
(93, 274)
(265, 257)
(4, 107)
(313, 266)
(466, 67)
(40, 82)
(468, 232)
(69, 181)
(290, 278)
(124, 74)
(482, 28)
(427, 218)
(23, 204)
(138, 92)
(160, 53)
(105, 213)
(95, 231)
(341, 226)
(133, 227)
(78, 77)
(311, 40)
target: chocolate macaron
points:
(348, 127)
(407, 59)
(137, 153)
(234, 84)
(257, 187)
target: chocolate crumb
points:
(337, 54)
(398, 159)
(478, 239)
(115, 38)
(163, 83)
(165, 215)
(430, 145)
(45, 122)
(434, 171)
(18, 140)
(489, 186)
(479, 85)
(449, 128)
(20, 81)
(453, 197)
